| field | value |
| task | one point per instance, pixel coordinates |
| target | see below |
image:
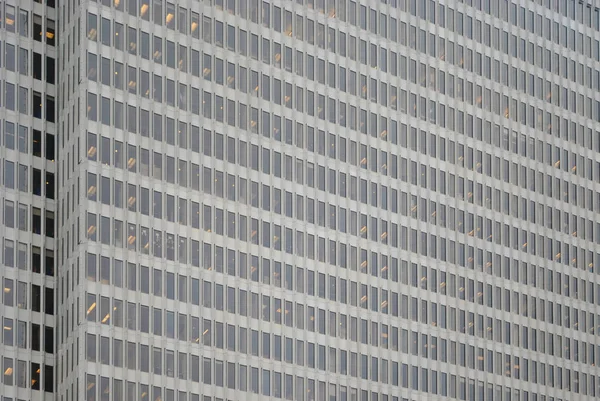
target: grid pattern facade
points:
(28, 61)
(311, 200)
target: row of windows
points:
(171, 208)
(549, 151)
(315, 356)
(16, 176)
(464, 57)
(164, 128)
(583, 13)
(291, 387)
(474, 94)
(344, 10)
(34, 264)
(317, 176)
(363, 296)
(361, 16)
(107, 148)
(20, 299)
(22, 24)
(497, 69)
(345, 45)
(217, 69)
(367, 157)
(314, 247)
(577, 11)
(17, 59)
(274, 384)
(21, 99)
(313, 319)
(416, 208)
(531, 118)
(14, 24)
(554, 316)
(15, 334)
(251, 267)
(316, 284)
(152, 10)
(509, 12)
(41, 220)
(175, 364)
(403, 67)
(18, 137)
(41, 376)
(524, 83)
(339, 290)
(414, 280)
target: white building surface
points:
(328, 200)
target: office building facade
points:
(300, 199)
(28, 166)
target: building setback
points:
(308, 200)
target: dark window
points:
(36, 220)
(37, 28)
(36, 299)
(37, 143)
(49, 263)
(48, 379)
(50, 147)
(35, 337)
(36, 182)
(50, 33)
(49, 301)
(37, 66)
(48, 340)
(49, 185)
(50, 109)
(36, 260)
(49, 224)
(35, 376)
(50, 67)
(37, 105)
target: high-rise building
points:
(28, 198)
(329, 200)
